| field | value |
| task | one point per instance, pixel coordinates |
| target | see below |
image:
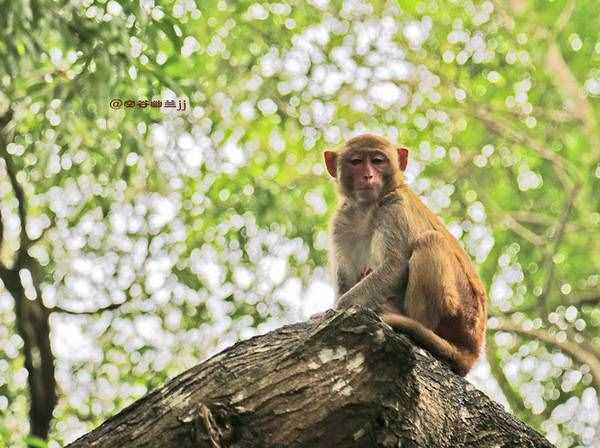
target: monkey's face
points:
(364, 173)
(367, 167)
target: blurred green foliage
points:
(210, 225)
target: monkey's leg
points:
(431, 291)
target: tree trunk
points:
(345, 381)
(33, 326)
(31, 316)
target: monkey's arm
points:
(392, 249)
(374, 289)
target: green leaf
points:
(35, 442)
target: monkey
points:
(391, 253)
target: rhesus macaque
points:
(394, 255)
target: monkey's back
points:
(422, 220)
(425, 220)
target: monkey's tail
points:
(461, 360)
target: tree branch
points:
(19, 195)
(4, 120)
(560, 231)
(590, 298)
(347, 380)
(530, 217)
(512, 395)
(523, 231)
(569, 347)
(1, 237)
(11, 171)
(504, 130)
(31, 316)
(112, 306)
(566, 83)
(587, 345)
(33, 327)
(565, 16)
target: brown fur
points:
(393, 254)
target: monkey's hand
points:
(366, 271)
(366, 292)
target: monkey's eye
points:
(355, 161)
(378, 160)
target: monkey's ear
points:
(402, 157)
(331, 162)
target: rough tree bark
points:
(346, 381)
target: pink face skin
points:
(367, 169)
